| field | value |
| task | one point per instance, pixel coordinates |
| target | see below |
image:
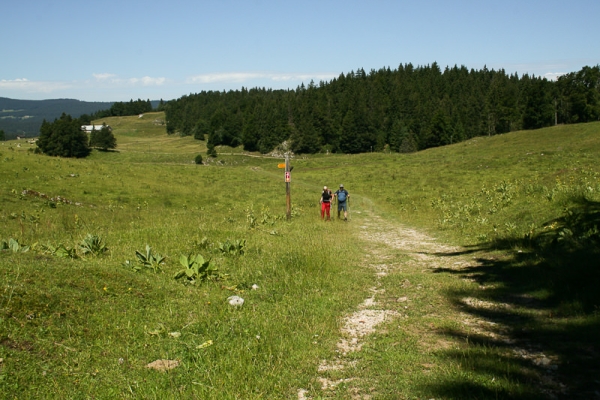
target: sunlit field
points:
(91, 249)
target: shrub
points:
(198, 159)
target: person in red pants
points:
(326, 203)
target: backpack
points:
(342, 196)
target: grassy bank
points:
(524, 204)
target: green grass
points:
(87, 327)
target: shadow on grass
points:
(543, 299)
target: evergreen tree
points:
(440, 133)
(250, 134)
(409, 144)
(539, 111)
(201, 130)
(103, 139)
(63, 138)
(210, 150)
(579, 94)
(398, 133)
(305, 139)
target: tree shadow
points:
(545, 296)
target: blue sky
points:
(120, 50)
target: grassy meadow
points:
(81, 317)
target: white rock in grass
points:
(235, 301)
(254, 287)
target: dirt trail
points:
(424, 252)
(420, 254)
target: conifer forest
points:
(404, 110)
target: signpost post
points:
(288, 179)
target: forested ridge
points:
(24, 117)
(405, 109)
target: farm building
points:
(90, 128)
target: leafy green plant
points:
(195, 268)
(14, 246)
(93, 245)
(235, 247)
(251, 218)
(149, 259)
(61, 251)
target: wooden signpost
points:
(288, 180)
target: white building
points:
(90, 128)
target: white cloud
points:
(114, 81)
(238, 77)
(552, 76)
(148, 81)
(303, 77)
(224, 77)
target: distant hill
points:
(24, 117)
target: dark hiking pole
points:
(348, 207)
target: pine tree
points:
(63, 138)
(201, 130)
(103, 139)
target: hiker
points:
(325, 202)
(342, 197)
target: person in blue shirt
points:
(342, 197)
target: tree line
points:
(404, 110)
(120, 109)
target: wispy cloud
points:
(98, 87)
(104, 76)
(552, 76)
(112, 79)
(240, 77)
(27, 86)
(148, 81)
